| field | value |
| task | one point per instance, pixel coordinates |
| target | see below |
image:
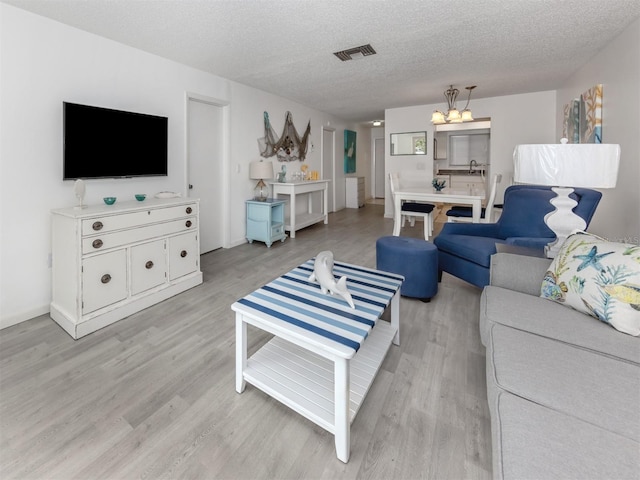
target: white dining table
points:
(429, 194)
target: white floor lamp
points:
(564, 167)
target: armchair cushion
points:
(472, 248)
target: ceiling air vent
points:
(356, 52)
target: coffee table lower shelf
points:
(304, 381)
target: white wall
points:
(617, 67)
(45, 63)
(515, 119)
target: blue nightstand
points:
(265, 221)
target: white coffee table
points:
(324, 356)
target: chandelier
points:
(453, 115)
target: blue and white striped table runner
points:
(301, 304)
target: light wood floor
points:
(153, 396)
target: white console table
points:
(296, 221)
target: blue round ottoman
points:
(414, 258)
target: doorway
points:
(378, 168)
(205, 157)
(328, 164)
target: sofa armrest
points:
(529, 242)
(518, 272)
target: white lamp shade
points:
(586, 165)
(454, 116)
(260, 170)
(467, 116)
(437, 117)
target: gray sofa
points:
(563, 388)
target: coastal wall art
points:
(583, 117)
(349, 151)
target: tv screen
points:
(105, 143)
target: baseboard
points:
(11, 320)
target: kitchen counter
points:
(461, 171)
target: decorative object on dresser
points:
(140, 196)
(265, 221)
(260, 171)
(112, 261)
(79, 189)
(564, 166)
(109, 200)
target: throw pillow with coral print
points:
(599, 278)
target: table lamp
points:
(565, 166)
(259, 171)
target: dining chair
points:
(464, 214)
(413, 209)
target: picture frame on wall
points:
(583, 117)
(349, 151)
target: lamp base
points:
(562, 221)
(261, 191)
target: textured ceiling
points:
(286, 46)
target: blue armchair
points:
(464, 249)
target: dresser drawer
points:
(277, 230)
(148, 266)
(104, 280)
(110, 223)
(183, 255)
(116, 239)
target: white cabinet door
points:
(104, 280)
(148, 266)
(183, 255)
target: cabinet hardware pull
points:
(188, 223)
(97, 243)
(97, 226)
(106, 278)
(183, 253)
(189, 210)
(148, 265)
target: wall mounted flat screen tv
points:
(106, 143)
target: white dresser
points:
(355, 192)
(110, 261)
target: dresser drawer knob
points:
(148, 265)
(183, 253)
(97, 226)
(106, 278)
(189, 210)
(188, 223)
(97, 243)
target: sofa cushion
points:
(534, 442)
(599, 278)
(597, 389)
(552, 320)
